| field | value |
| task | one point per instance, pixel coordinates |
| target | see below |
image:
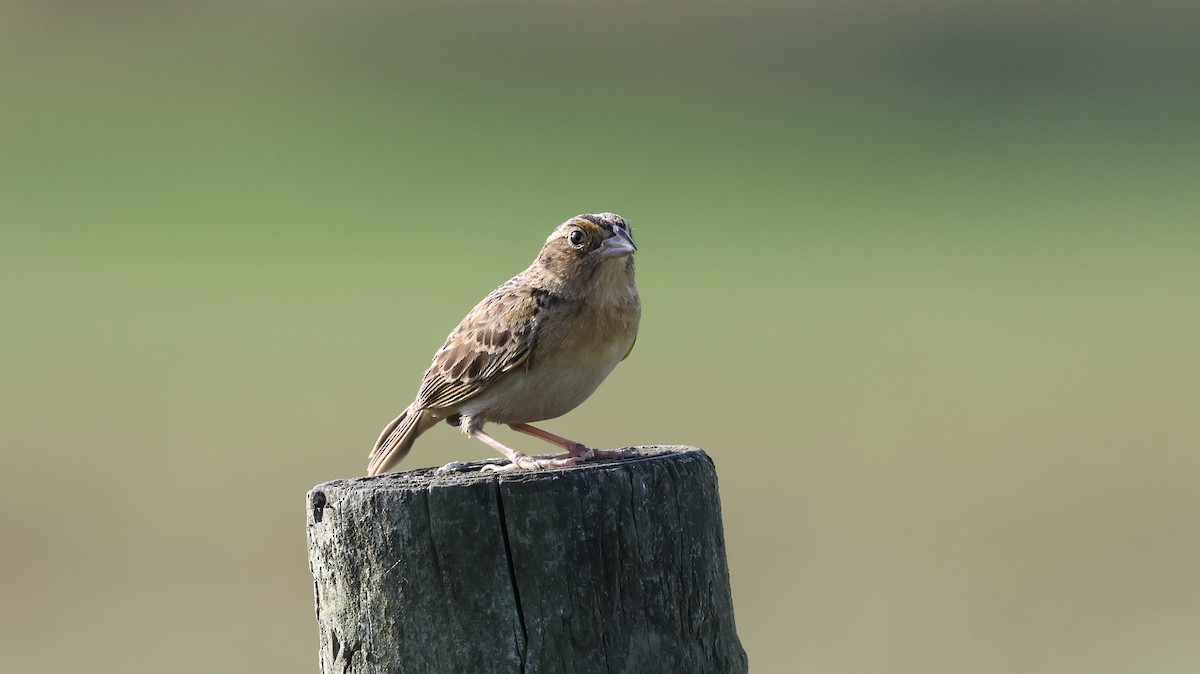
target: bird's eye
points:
(577, 238)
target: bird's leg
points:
(520, 460)
(574, 449)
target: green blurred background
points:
(922, 279)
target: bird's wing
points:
(498, 335)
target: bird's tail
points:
(397, 439)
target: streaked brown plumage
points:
(534, 349)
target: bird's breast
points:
(575, 351)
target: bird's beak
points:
(619, 244)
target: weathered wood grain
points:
(609, 566)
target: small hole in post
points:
(318, 505)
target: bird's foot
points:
(519, 461)
(582, 452)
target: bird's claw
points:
(526, 462)
(536, 462)
(520, 461)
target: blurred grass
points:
(922, 280)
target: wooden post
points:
(609, 566)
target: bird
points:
(533, 349)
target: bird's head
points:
(587, 245)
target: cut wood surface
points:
(608, 566)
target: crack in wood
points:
(512, 575)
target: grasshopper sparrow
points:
(534, 349)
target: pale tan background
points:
(923, 280)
